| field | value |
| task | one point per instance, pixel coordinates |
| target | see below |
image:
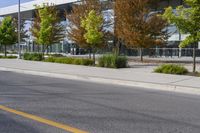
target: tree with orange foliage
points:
(137, 26)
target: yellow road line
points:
(42, 120)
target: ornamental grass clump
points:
(112, 61)
(171, 69)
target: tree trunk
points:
(43, 51)
(141, 54)
(47, 48)
(73, 50)
(50, 50)
(194, 58)
(94, 56)
(33, 47)
(116, 46)
(5, 50)
(117, 49)
(38, 48)
(90, 51)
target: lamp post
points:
(19, 29)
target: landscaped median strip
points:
(42, 120)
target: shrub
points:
(101, 61)
(68, 60)
(50, 59)
(77, 61)
(171, 69)
(59, 60)
(27, 56)
(112, 61)
(121, 62)
(8, 57)
(33, 56)
(11, 57)
(87, 62)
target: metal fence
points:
(74, 50)
(164, 52)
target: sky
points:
(4, 3)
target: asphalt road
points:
(96, 108)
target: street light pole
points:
(19, 29)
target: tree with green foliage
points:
(47, 28)
(75, 32)
(92, 23)
(8, 34)
(187, 20)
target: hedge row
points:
(109, 61)
(33, 56)
(8, 57)
(68, 60)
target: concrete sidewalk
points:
(140, 75)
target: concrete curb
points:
(152, 86)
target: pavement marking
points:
(42, 120)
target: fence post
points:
(180, 51)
